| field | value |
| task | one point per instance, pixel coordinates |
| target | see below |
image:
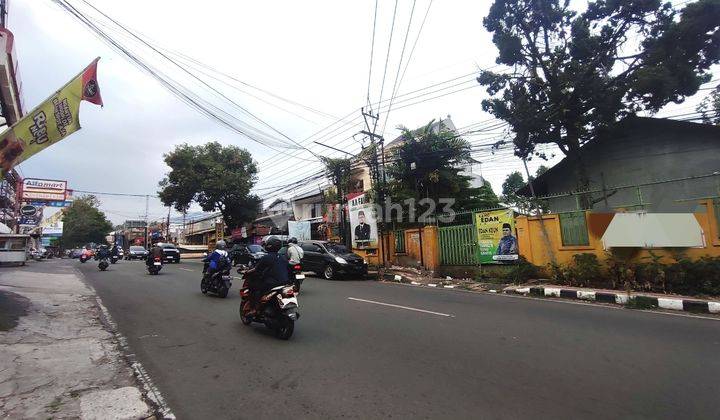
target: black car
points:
(136, 253)
(170, 253)
(246, 254)
(331, 259)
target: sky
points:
(313, 53)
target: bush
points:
(586, 271)
(522, 271)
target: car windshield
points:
(337, 248)
(168, 246)
(255, 248)
(137, 248)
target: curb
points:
(686, 305)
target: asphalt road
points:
(469, 356)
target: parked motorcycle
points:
(278, 308)
(155, 266)
(103, 264)
(296, 276)
(218, 282)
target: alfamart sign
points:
(44, 189)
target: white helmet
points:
(220, 244)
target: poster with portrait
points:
(497, 241)
(363, 225)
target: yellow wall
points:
(534, 247)
(430, 248)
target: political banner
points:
(496, 236)
(363, 227)
(50, 122)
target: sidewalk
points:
(56, 358)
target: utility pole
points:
(378, 177)
(167, 226)
(147, 231)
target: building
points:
(650, 164)
(203, 230)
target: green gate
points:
(458, 245)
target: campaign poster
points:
(363, 225)
(497, 241)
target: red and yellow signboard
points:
(51, 121)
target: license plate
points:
(157, 263)
(300, 276)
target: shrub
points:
(586, 271)
(522, 271)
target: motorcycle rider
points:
(155, 251)
(216, 259)
(102, 252)
(270, 271)
(294, 252)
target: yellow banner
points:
(51, 121)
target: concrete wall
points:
(537, 249)
(411, 257)
(645, 152)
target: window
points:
(399, 241)
(573, 229)
(309, 247)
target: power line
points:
(387, 57)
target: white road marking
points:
(186, 269)
(401, 307)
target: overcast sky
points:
(315, 53)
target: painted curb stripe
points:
(552, 291)
(605, 297)
(585, 295)
(674, 304)
(714, 307)
(695, 306)
(571, 294)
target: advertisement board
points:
(363, 225)
(497, 242)
(299, 230)
(44, 189)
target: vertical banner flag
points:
(496, 236)
(363, 228)
(51, 121)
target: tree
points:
(427, 165)
(84, 222)
(575, 75)
(513, 182)
(218, 178)
(710, 107)
(541, 170)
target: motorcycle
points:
(84, 258)
(278, 309)
(155, 267)
(113, 259)
(103, 264)
(296, 276)
(218, 282)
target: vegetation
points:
(428, 165)
(85, 223)
(576, 74)
(709, 108)
(218, 178)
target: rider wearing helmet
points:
(270, 271)
(217, 257)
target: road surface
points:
(433, 354)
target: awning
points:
(276, 220)
(653, 230)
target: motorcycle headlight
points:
(340, 260)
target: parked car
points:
(331, 259)
(170, 252)
(136, 252)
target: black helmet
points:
(292, 240)
(273, 245)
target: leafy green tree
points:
(576, 74)
(84, 222)
(218, 178)
(709, 108)
(428, 165)
(513, 182)
(541, 170)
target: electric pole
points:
(147, 231)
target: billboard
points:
(43, 189)
(299, 230)
(497, 241)
(363, 225)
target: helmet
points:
(273, 245)
(292, 240)
(220, 244)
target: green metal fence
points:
(573, 228)
(399, 241)
(458, 245)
